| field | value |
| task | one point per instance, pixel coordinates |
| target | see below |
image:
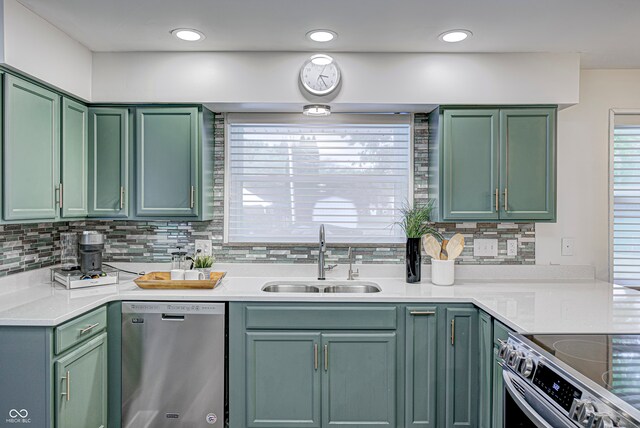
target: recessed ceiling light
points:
(321, 36)
(454, 36)
(321, 59)
(188, 34)
(316, 110)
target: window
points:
(287, 174)
(626, 200)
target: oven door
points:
(525, 408)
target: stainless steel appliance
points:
(559, 381)
(173, 364)
(91, 245)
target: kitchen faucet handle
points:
(330, 267)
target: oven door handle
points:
(551, 419)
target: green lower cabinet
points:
(486, 370)
(74, 159)
(421, 372)
(80, 386)
(500, 333)
(283, 379)
(461, 368)
(359, 379)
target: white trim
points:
(225, 196)
(612, 116)
(411, 184)
(333, 119)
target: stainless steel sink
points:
(321, 287)
(352, 288)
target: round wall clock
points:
(320, 75)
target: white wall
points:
(368, 78)
(583, 170)
(37, 48)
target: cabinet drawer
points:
(75, 331)
(321, 317)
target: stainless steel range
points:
(573, 381)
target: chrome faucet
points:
(322, 248)
(353, 274)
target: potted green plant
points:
(204, 264)
(416, 222)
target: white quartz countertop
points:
(526, 300)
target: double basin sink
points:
(321, 287)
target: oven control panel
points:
(583, 406)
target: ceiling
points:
(603, 31)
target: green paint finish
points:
(421, 373)
(283, 382)
(167, 161)
(75, 145)
(469, 173)
(500, 332)
(527, 169)
(114, 366)
(31, 151)
(359, 379)
(81, 400)
(486, 366)
(77, 330)
(312, 316)
(108, 162)
(461, 367)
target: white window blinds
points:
(626, 204)
(285, 179)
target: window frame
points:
(297, 118)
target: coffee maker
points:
(91, 244)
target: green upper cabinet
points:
(80, 386)
(108, 162)
(359, 381)
(283, 379)
(31, 160)
(527, 170)
(75, 145)
(470, 164)
(167, 153)
(421, 373)
(494, 164)
(461, 368)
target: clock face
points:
(320, 75)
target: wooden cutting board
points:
(163, 281)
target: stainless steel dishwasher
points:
(173, 364)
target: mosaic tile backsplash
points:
(32, 246)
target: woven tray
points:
(162, 280)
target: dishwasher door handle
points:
(172, 317)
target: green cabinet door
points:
(75, 145)
(469, 173)
(527, 167)
(31, 151)
(283, 379)
(81, 386)
(108, 162)
(421, 345)
(486, 368)
(461, 368)
(167, 161)
(500, 333)
(359, 380)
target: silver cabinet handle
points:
(89, 328)
(67, 380)
(453, 331)
(506, 199)
(60, 195)
(497, 200)
(315, 356)
(192, 197)
(121, 197)
(422, 313)
(326, 357)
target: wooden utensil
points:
(443, 250)
(431, 246)
(455, 246)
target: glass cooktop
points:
(611, 361)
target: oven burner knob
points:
(515, 359)
(576, 409)
(586, 414)
(602, 420)
(504, 350)
(527, 367)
